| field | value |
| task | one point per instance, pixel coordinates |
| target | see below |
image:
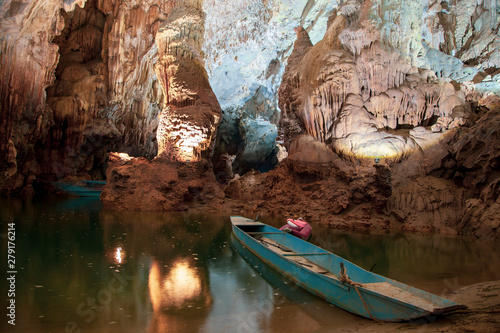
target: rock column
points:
(191, 114)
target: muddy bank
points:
(483, 315)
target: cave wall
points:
(372, 89)
(189, 120)
(76, 96)
(248, 49)
(403, 52)
(78, 79)
(28, 60)
(419, 109)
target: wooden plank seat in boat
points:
(295, 257)
(389, 290)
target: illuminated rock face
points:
(365, 92)
(246, 47)
(160, 185)
(397, 55)
(80, 78)
(77, 80)
(186, 129)
(189, 121)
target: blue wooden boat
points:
(337, 280)
(82, 188)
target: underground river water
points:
(79, 268)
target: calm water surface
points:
(83, 269)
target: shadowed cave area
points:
(78, 95)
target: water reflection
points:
(84, 268)
(428, 262)
(281, 314)
(119, 255)
(175, 290)
(173, 250)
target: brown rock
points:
(139, 184)
(481, 217)
(307, 149)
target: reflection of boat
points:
(336, 280)
(82, 188)
(277, 280)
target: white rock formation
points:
(364, 101)
(245, 54)
(400, 52)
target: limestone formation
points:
(385, 108)
(88, 63)
(189, 120)
(27, 61)
(68, 66)
(245, 54)
(361, 101)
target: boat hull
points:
(82, 188)
(364, 299)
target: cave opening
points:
(76, 96)
(235, 153)
(431, 121)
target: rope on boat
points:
(366, 306)
(345, 278)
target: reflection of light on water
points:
(119, 255)
(155, 286)
(181, 284)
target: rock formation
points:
(101, 86)
(181, 176)
(386, 109)
(449, 188)
(249, 48)
(363, 96)
(77, 80)
(160, 184)
(27, 60)
(356, 91)
(189, 121)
